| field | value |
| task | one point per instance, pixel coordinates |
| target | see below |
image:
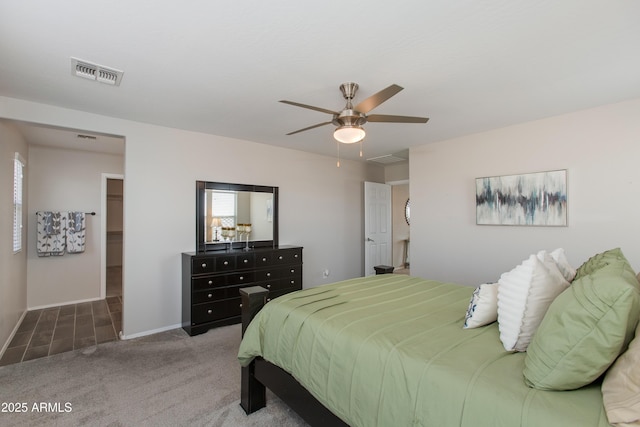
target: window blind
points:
(18, 177)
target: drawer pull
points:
(295, 256)
(268, 286)
(268, 274)
(226, 263)
(209, 311)
(241, 277)
(204, 265)
(293, 281)
(264, 260)
(240, 305)
(280, 257)
(211, 282)
(210, 295)
(292, 270)
(245, 261)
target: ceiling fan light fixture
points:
(349, 134)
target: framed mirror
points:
(234, 216)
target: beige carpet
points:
(167, 379)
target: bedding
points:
(390, 350)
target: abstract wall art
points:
(536, 199)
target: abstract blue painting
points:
(528, 199)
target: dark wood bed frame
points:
(261, 374)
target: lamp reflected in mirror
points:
(215, 224)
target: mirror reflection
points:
(238, 216)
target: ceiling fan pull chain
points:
(361, 146)
(338, 146)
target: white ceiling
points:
(220, 67)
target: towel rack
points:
(86, 213)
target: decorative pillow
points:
(584, 330)
(524, 295)
(621, 386)
(483, 307)
(598, 261)
(563, 264)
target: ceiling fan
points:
(349, 120)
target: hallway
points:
(55, 330)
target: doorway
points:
(113, 191)
(377, 226)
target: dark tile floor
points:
(55, 330)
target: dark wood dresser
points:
(211, 282)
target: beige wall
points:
(396, 172)
(321, 206)
(599, 148)
(66, 180)
(13, 267)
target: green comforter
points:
(389, 350)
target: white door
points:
(377, 226)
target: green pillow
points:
(585, 329)
(598, 261)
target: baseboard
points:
(151, 332)
(12, 334)
(80, 301)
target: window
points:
(224, 207)
(18, 170)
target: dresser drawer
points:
(200, 265)
(213, 264)
(225, 263)
(203, 313)
(267, 274)
(241, 278)
(288, 256)
(202, 283)
(263, 259)
(245, 261)
(216, 294)
(294, 282)
(278, 273)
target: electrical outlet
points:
(325, 273)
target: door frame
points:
(103, 233)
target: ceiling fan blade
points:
(376, 99)
(396, 119)
(310, 107)
(310, 127)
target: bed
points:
(390, 350)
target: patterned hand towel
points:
(51, 223)
(50, 230)
(76, 233)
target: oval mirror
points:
(407, 212)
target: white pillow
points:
(621, 387)
(483, 307)
(563, 264)
(524, 295)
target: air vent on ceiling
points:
(99, 73)
(91, 137)
(389, 158)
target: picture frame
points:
(530, 199)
